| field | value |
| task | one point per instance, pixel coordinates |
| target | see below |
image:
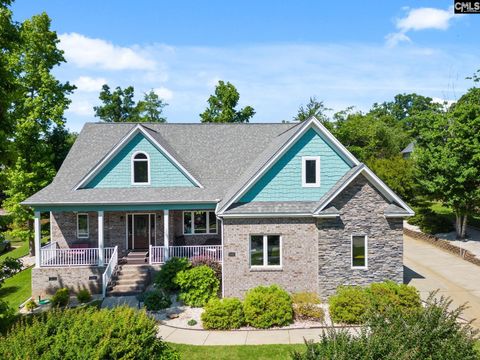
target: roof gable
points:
(252, 175)
(283, 181)
(114, 170)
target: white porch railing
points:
(51, 256)
(159, 254)
(110, 270)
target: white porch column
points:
(166, 232)
(38, 236)
(101, 254)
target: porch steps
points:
(132, 276)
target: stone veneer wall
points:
(317, 252)
(361, 209)
(299, 255)
(75, 278)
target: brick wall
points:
(45, 281)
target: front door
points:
(140, 230)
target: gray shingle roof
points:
(216, 154)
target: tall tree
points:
(221, 106)
(447, 157)
(37, 108)
(150, 109)
(313, 108)
(8, 41)
(120, 106)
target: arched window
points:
(140, 168)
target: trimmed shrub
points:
(267, 306)
(197, 285)
(349, 305)
(86, 333)
(390, 295)
(156, 300)
(84, 296)
(61, 298)
(223, 314)
(164, 279)
(31, 305)
(434, 332)
(192, 322)
(306, 306)
(214, 265)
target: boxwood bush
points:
(197, 285)
(349, 305)
(84, 296)
(306, 306)
(399, 297)
(86, 333)
(164, 278)
(267, 306)
(61, 298)
(156, 300)
(223, 314)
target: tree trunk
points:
(31, 237)
(461, 226)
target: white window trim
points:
(265, 252)
(193, 223)
(132, 162)
(366, 252)
(317, 171)
(87, 235)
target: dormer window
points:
(311, 171)
(140, 169)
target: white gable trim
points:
(379, 185)
(136, 130)
(310, 123)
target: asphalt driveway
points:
(429, 268)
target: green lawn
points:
(16, 253)
(238, 352)
(17, 289)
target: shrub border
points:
(443, 244)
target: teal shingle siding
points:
(283, 182)
(117, 173)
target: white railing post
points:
(109, 271)
(37, 239)
(166, 232)
(150, 254)
(101, 255)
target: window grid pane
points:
(273, 250)
(200, 222)
(256, 250)
(82, 225)
(310, 171)
(140, 171)
(358, 251)
(187, 222)
(212, 222)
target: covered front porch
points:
(95, 240)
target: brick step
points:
(135, 261)
(137, 255)
(133, 282)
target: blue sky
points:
(277, 53)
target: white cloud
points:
(86, 52)
(420, 19)
(164, 93)
(89, 84)
(81, 107)
(426, 18)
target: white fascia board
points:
(389, 216)
(137, 129)
(379, 185)
(121, 202)
(265, 215)
(312, 122)
(326, 216)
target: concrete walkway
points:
(246, 337)
(429, 268)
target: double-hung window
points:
(199, 222)
(82, 226)
(310, 171)
(140, 169)
(265, 251)
(359, 251)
